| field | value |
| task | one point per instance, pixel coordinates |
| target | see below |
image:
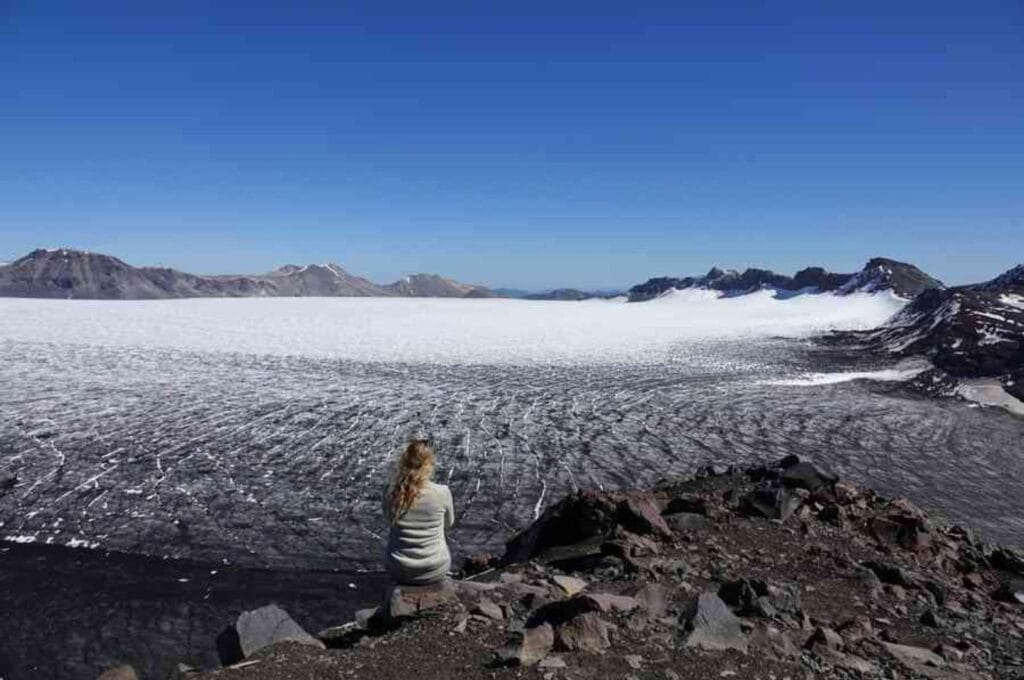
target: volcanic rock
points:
(770, 501)
(711, 625)
(586, 632)
(687, 521)
(527, 647)
(259, 628)
(123, 672)
(806, 475)
(405, 601)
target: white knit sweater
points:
(417, 552)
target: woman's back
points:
(417, 552)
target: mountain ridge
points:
(79, 274)
(879, 274)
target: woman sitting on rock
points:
(419, 512)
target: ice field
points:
(260, 431)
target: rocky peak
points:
(881, 273)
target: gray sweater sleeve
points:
(449, 510)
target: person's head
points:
(415, 466)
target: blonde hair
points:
(415, 466)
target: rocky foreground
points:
(777, 571)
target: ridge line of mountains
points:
(70, 273)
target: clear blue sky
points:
(581, 143)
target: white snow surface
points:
(435, 330)
(814, 379)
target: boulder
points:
(688, 503)
(123, 672)
(824, 638)
(527, 647)
(1001, 558)
(653, 599)
(575, 519)
(805, 475)
(405, 601)
(711, 625)
(569, 584)
(771, 502)
(585, 633)
(641, 516)
(488, 609)
(558, 612)
(686, 521)
(259, 628)
(906, 531)
(775, 643)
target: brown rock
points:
(641, 516)
(527, 647)
(584, 633)
(405, 601)
(488, 609)
(653, 599)
(123, 672)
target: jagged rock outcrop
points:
(879, 274)
(68, 273)
(966, 331)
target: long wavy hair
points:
(415, 466)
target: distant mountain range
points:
(68, 273)
(879, 274)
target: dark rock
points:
(771, 502)
(1001, 558)
(527, 647)
(586, 633)
(824, 638)
(7, 482)
(686, 503)
(930, 619)
(1009, 592)
(478, 563)
(711, 625)
(937, 590)
(906, 531)
(805, 475)
(833, 514)
(571, 521)
(741, 592)
(641, 516)
(259, 628)
(686, 521)
(558, 612)
(891, 574)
